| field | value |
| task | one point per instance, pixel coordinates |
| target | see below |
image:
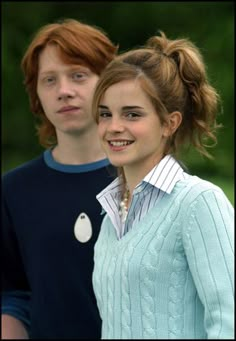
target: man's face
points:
(65, 92)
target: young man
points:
(51, 217)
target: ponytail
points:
(201, 102)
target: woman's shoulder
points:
(193, 188)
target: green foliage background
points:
(209, 24)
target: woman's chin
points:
(116, 163)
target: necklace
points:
(124, 205)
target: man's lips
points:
(67, 108)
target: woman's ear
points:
(173, 121)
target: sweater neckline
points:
(160, 212)
(88, 167)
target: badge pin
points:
(83, 228)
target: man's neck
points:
(78, 150)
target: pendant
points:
(123, 211)
(83, 228)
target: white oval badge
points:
(83, 228)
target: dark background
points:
(210, 25)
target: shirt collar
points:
(114, 187)
(165, 174)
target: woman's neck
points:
(133, 174)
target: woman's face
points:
(129, 127)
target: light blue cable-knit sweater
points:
(171, 275)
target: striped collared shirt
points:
(159, 182)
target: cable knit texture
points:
(171, 275)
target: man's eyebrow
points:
(79, 68)
(46, 72)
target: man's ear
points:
(173, 121)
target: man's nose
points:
(65, 90)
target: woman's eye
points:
(132, 115)
(104, 114)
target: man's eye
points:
(77, 75)
(49, 80)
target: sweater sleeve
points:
(13, 273)
(17, 304)
(208, 243)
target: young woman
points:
(164, 255)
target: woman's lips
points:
(118, 145)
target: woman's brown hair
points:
(172, 73)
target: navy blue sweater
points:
(41, 202)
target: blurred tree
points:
(209, 24)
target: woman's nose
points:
(116, 125)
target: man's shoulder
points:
(26, 169)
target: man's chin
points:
(77, 130)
